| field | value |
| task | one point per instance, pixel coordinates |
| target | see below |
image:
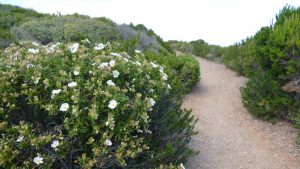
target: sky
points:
(220, 22)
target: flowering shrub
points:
(83, 106)
(185, 69)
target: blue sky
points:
(221, 22)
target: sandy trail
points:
(229, 137)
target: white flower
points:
(55, 92)
(55, 45)
(152, 102)
(110, 83)
(169, 86)
(33, 51)
(126, 60)
(20, 139)
(64, 107)
(103, 65)
(86, 41)
(137, 51)
(116, 73)
(153, 65)
(108, 142)
(115, 54)
(112, 63)
(38, 160)
(49, 49)
(54, 144)
(36, 81)
(76, 73)
(164, 76)
(72, 84)
(52, 48)
(73, 48)
(182, 166)
(138, 63)
(112, 104)
(99, 46)
(35, 43)
(30, 65)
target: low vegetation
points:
(198, 48)
(270, 59)
(104, 96)
(71, 105)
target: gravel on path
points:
(230, 137)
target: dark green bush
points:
(187, 70)
(264, 98)
(200, 48)
(271, 59)
(232, 58)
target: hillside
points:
(25, 24)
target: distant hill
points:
(17, 23)
(198, 48)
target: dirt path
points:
(229, 137)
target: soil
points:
(229, 136)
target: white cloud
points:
(215, 21)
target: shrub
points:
(11, 16)
(200, 48)
(164, 47)
(24, 24)
(188, 71)
(185, 69)
(271, 60)
(232, 58)
(264, 98)
(67, 29)
(75, 106)
(181, 46)
(137, 39)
